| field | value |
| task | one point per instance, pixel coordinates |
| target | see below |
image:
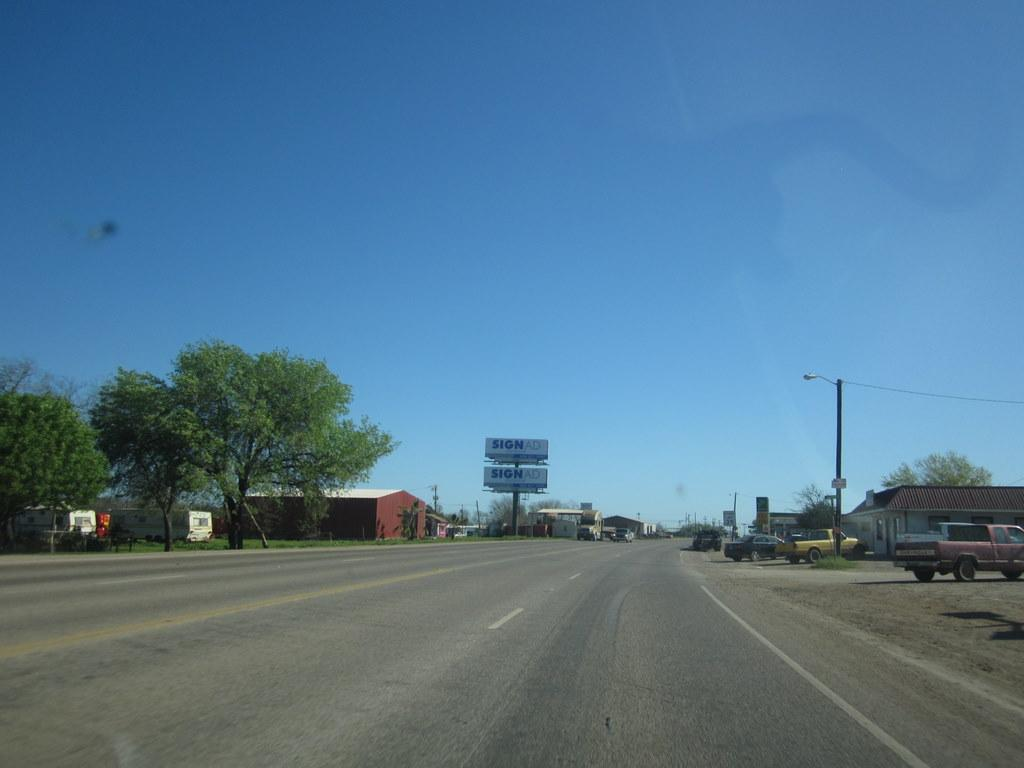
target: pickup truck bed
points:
(963, 550)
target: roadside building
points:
(885, 515)
(353, 513)
(549, 515)
(638, 527)
(781, 523)
(436, 526)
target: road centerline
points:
(137, 579)
(122, 630)
(506, 618)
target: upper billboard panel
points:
(515, 450)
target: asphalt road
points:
(468, 654)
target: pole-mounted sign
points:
(515, 450)
(509, 479)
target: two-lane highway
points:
(477, 654)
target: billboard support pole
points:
(515, 510)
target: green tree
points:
(48, 457)
(950, 468)
(271, 421)
(23, 375)
(148, 438)
(410, 521)
(813, 508)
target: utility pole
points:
(839, 467)
(434, 487)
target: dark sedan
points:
(755, 546)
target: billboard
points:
(515, 478)
(515, 450)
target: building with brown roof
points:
(884, 515)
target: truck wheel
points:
(754, 555)
(1011, 575)
(813, 556)
(964, 569)
(924, 574)
(858, 553)
(793, 559)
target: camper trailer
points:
(187, 525)
(38, 521)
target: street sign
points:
(515, 450)
(839, 482)
(509, 479)
(728, 518)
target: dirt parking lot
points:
(973, 629)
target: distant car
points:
(705, 540)
(755, 546)
(622, 534)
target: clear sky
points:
(628, 228)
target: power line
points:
(933, 394)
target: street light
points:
(838, 482)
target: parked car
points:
(623, 534)
(755, 546)
(705, 540)
(963, 549)
(812, 545)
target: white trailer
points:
(39, 521)
(189, 525)
(564, 529)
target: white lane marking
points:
(862, 720)
(575, 576)
(140, 578)
(509, 617)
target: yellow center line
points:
(106, 633)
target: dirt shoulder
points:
(973, 629)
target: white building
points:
(885, 515)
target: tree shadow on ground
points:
(1014, 630)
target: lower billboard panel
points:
(509, 479)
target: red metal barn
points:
(356, 513)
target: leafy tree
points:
(48, 457)
(23, 375)
(813, 508)
(271, 421)
(410, 520)
(148, 438)
(950, 468)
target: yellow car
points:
(812, 545)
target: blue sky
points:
(628, 228)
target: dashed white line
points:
(503, 619)
(141, 578)
(862, 720)
(575, 576)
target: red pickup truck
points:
(963, 549)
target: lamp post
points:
(838, 482)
